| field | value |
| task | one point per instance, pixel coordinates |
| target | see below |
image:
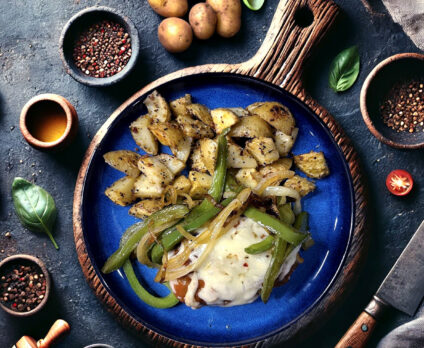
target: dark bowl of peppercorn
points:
(24, 285)
(99, 46)
(392, 101)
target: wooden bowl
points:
(81, 21)
(17, 259)
(395, 69)
(47, 101)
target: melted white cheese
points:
(231, 276)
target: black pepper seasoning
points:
(22, 287)
(403, 108)
(103, 49)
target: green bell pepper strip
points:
(157, 302)
(277, 260)
(218, 181)
(260, 247)
(286, 214)
(302, 222)
(274, 225)
(231, 185)
(133, 235)
(197, 217)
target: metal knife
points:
(403, 289)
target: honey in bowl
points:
(46, 121)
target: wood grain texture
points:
(279, 61)
(358, 334)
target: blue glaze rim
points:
(243, 80)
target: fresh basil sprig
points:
(34, 206)
(254, 5)
(344, 69)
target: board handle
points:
(297, 26)
(358, 334)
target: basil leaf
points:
(254, 5)
(344, 69)
(34, 206)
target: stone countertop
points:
(30, 65)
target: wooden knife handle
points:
(359, 333)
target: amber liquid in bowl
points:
(46, 121)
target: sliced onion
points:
(281, 191)
(272, 179)
(189, 200)
(184, 233)
(147, 240)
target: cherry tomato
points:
(399, 182)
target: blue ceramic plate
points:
(331, 211)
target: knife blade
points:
(403, 289)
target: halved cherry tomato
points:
(399, 182)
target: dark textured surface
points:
(30, 65)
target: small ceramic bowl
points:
(42, 102)
(78, 23)
(395, 69)
(25, 260)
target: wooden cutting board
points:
(297, 26)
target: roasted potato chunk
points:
(284, 142)
(194, 128)
(240, 112)
(157, 107)
(179, 106)
(124, 161)
(208, 153)
(223, 118)
(248, 177)
(197, 163)
(276, 114)
(154, 168)
(120, 192)
(239, 158)
(182, 184)
(313, 164)
(143, 136)
(200, 184)
(171, 162)
(147, 187)
(263, 149)
(301, 185)
(183, 149)
(251, 127)
(202, 113)
(168, 133)
(281, 165)
(145, 208)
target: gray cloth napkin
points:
(409, 335)
(410, 15)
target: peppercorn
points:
(17, 290)
(403, 108)
(100, 50)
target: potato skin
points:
(203, 20)
(228, 13)
(169, 8)
(175, 34)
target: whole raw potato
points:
(203, 20)
(175, 34)
(229, 16)
(169, 8)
